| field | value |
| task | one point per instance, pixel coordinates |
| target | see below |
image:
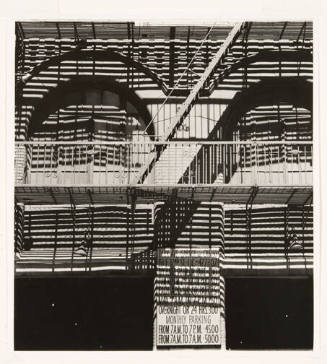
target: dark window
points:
(269, 313)
(83, 313)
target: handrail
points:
(186, 106)
(186, 163)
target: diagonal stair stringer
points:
(185, 108)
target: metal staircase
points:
(162, 150)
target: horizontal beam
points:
(85, 274)
(179, 142)
(267, 272)
(149, 194)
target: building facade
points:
(170, 160)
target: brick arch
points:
(264, 56)
(295, 91)
(61, 96)
(96, 55)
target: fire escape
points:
(161, 153)
(167, 168)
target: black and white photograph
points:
(163, 182)
(163, 186)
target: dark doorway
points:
(269, 313)
(83, 313)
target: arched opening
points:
(89, 120)
(267, 129)
(272, 111)
(92, 91)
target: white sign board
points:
(179, 325)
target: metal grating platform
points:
(29, 195)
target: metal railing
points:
(187, 163)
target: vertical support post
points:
(155, 303)
(222, 294)
(222, 283)
(255, 169)
(19, 227)
(133, 210)
(131, 199)
(172, 58)
(90, 231)
(248, 213)
(128, 54)
(73, 211)
(127, 232)
(286, 213)
(188, 57)
(55, 244)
